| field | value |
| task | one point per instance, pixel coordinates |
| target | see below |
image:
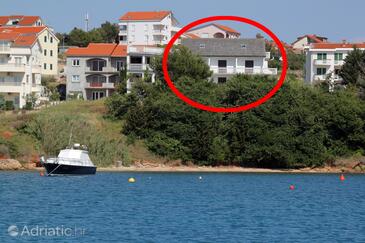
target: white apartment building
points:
(147, 28)
(20, 67)
(324, 60)
(228, 57)
(214, 30)
(48, 43)
(138, 62)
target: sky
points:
(336, 19)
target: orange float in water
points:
(41, 173)
(342, 177)
(291, 187)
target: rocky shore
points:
(10, 164)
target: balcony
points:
(324, 62)
(320, 77)
(103, 70)
(158, 32)
(5, 49)
(12, 68)
(99, 85)
(243, 70)
(11, 87)
(145, 50)
(138, 67)
(339, 62)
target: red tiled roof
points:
(23, 29)
(98, 49)
(192, 36)
(314, 38)
(152, 15)
(120, 51)
(17, 38)
(226, 28)
(23, 20)
(336, 45)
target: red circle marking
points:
(224, 109)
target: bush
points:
(9, 105)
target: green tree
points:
(109, 32)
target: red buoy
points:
(342, 177)
(291, 187)
(41, 173)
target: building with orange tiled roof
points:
(21, 20)
(324, 60)
(20, 66)
(306, 40)
(215, 30)
(92, 72)
(147, 27)
(48, 42)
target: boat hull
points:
(59, 169)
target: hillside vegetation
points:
(27, 136)
(301, 126)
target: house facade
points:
(20, 68)
(48, 43)
(324, 60)
(228, 57)
(147, 28)
(215, 30)
(303, 41)
(93, 72)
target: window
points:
(145, 27)
(321, 71)
(45, 39)
(222, 80)
(51, 53)
(75, 78)
(45, 52)
(202, 46)
(249, 64)
(148, 60)
(44, 66)
(18, 60)
(338, 56)
(123, 27)
(133, 27)
(51, 39)
(119, 65)
(321, 56)
(243, 46)
(146, 38)
(222, 63)
(97, 65)
(76, 62)
(51, 66)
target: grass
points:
(47, 130)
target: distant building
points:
(147, 28)
(93, 72)
(21, 20)
(20, 67)
(228, 57)
(304, 41)
(48, 44)
(215, 30)
(324, 60)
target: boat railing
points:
(74, 161)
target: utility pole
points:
(87, 22)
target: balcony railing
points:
(102, 70)
(244, 70)
(339, 62)
(12, 67)
(138, 67)
(9, 83)
(145, 50)
(100, 85)
(322, 61)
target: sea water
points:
(182, 207)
